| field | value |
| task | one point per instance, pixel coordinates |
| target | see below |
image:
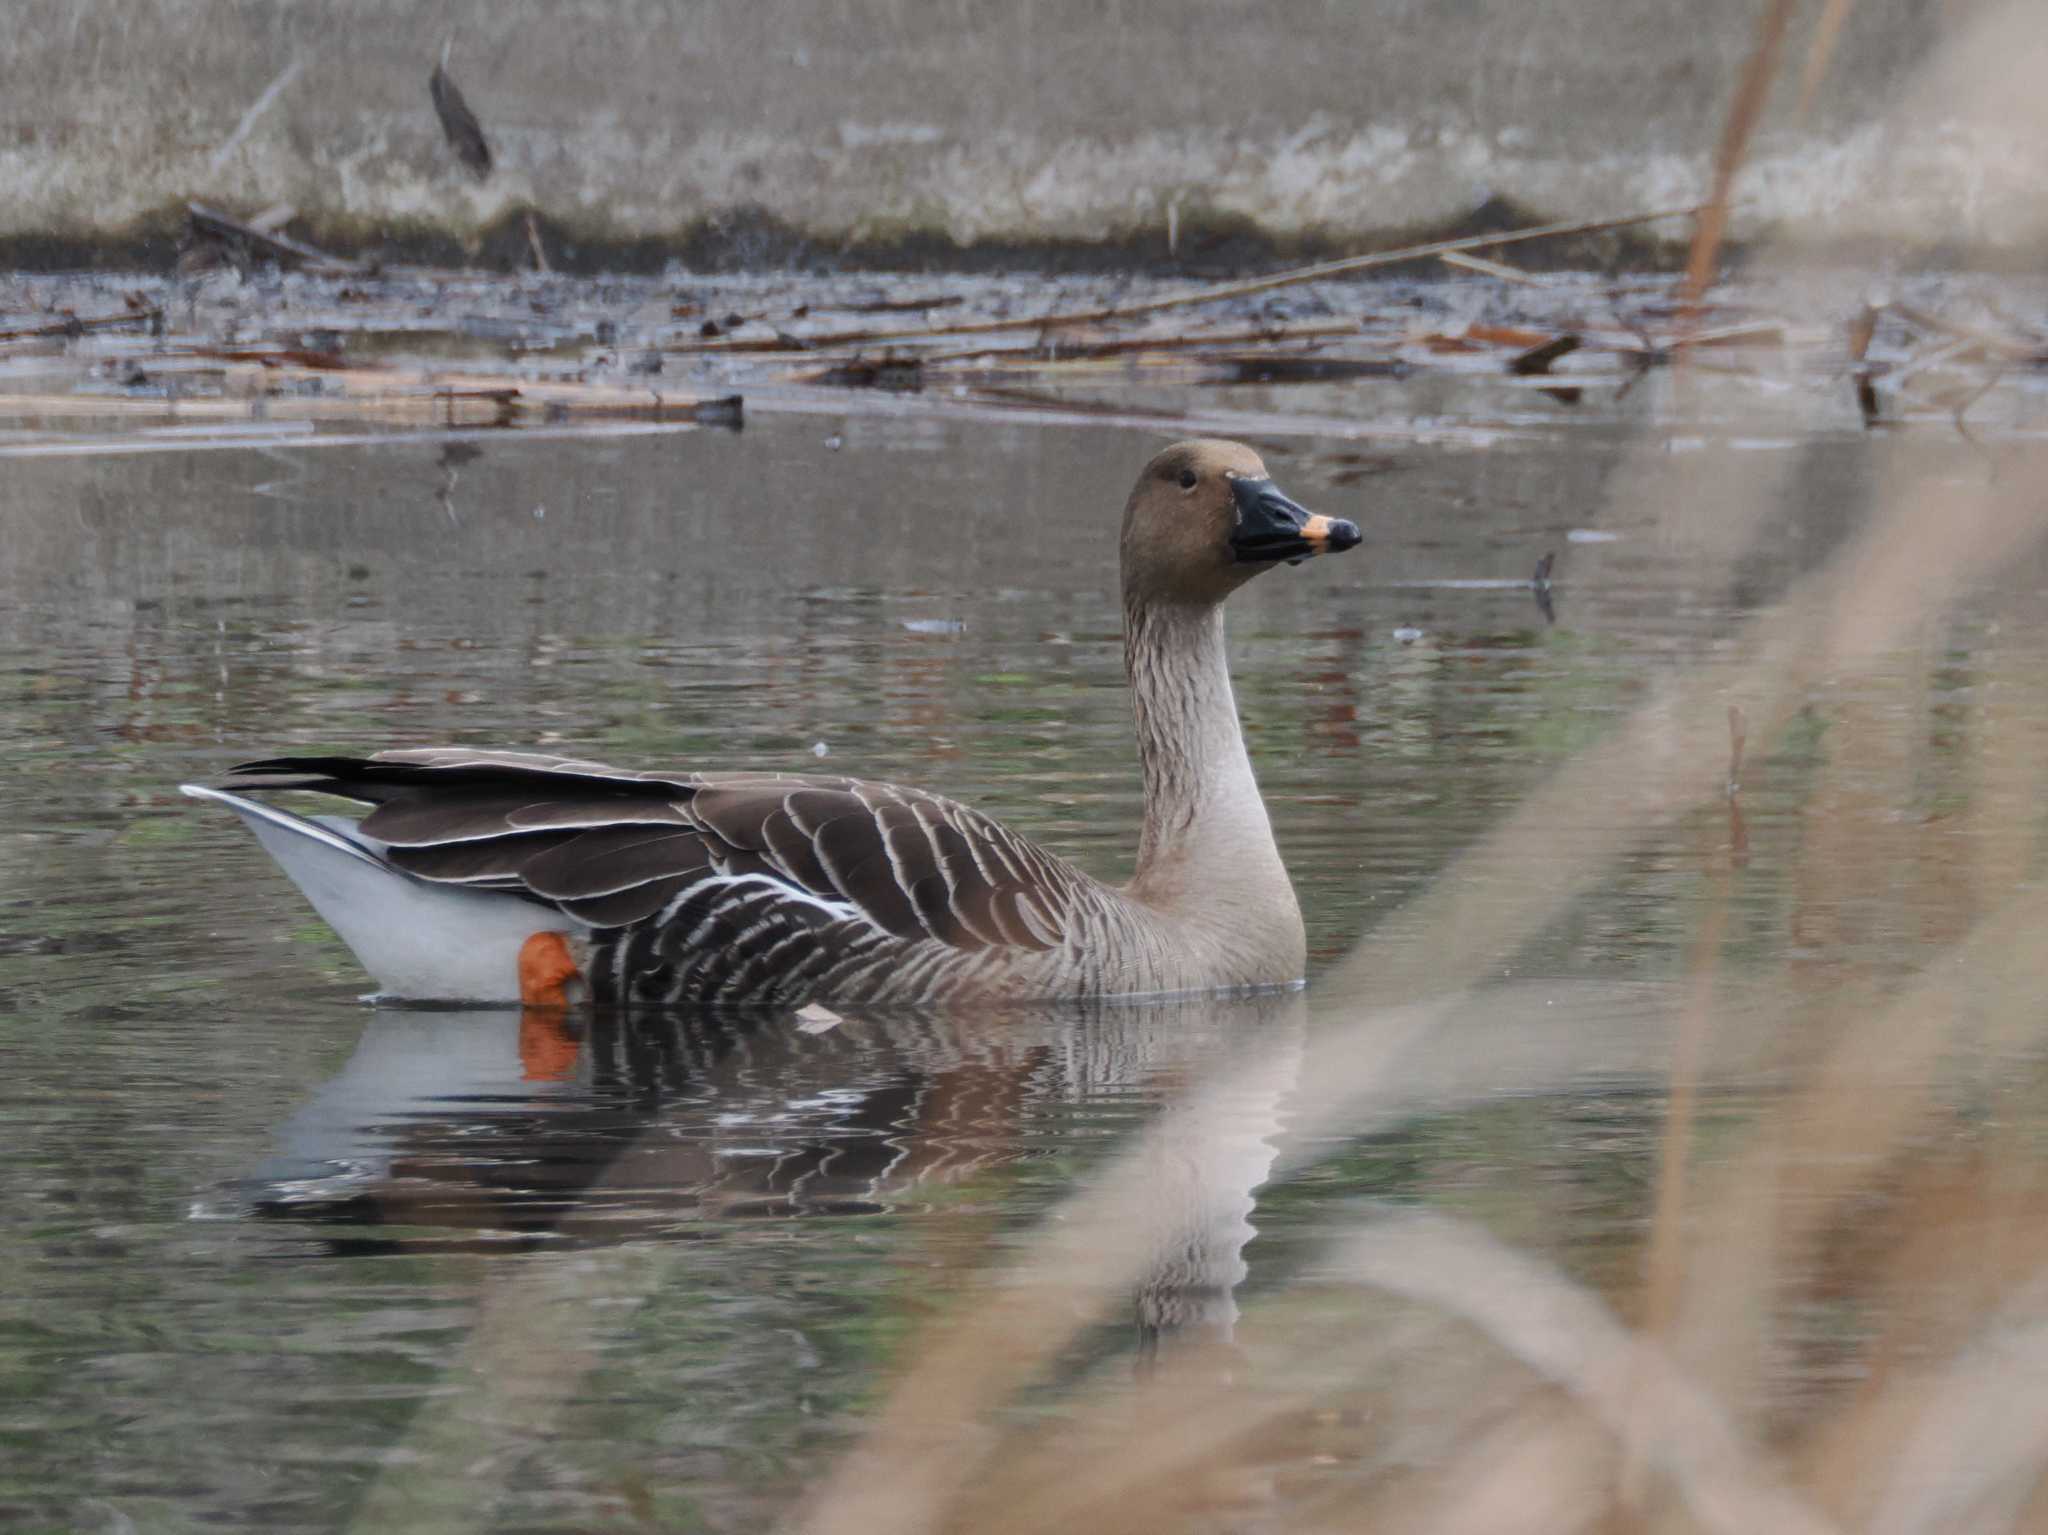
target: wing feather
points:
(792, 849)
(430, 820)
(850, 848)
(764, 862)
(623, 908)
(616, 858)
(911, 864)
(498, 861)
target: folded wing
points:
(618, 849)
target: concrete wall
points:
(955, 123)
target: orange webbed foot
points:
(549, 983)
(548, 975)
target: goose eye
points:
(1187, 479)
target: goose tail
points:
(420, 941)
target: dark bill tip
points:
(1341, 535)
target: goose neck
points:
(1204, 821)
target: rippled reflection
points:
(548, 1130)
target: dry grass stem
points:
(1977, 1453)
(1465, 262)
(1820, 51)
(1744, 111)
(1563, 1333)
(1218, 293)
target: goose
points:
(500, 876)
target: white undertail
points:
(418, 940)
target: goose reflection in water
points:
(501, 1128)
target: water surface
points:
(279, 1260)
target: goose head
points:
(1205, 517)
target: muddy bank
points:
(1198, 243)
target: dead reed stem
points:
(1256, 335)
(1664, 1262)
(71, 325)
(1820, 52)
(1558, 1329)
(1743, 113)
(1210, 295)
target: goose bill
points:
(1271, 527)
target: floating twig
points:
(73, 325)
(1536, 361)
(2003, 347)
(1175, 341)
(1862, 331)
(1521, 337)
(1303, 368)
(211, 224)
(274, 218)
(1538, 358)
(280, 386)
(904, 375)
(1989, 382)
(1209, 295)
(903, 305)
(1485, 268)
(1748, 333)
(283, 356)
